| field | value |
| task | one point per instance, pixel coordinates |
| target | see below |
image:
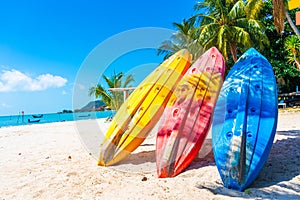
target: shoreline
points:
(50, 161)
(46, 123)
(19, 120)
(280, 111)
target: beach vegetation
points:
(247, 191)
(233, 26)
(292, 45)
(286, 72)
(186, 37)
(112, 99)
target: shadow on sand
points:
(282, 166)
(141, 162)
(197, 163)
(283, 163)
(139, 158)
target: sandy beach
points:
(51, 161)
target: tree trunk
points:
(233, 52)
(292, 23)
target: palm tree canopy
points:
(99, 91)
(231, 26)
(112, 99)
(186, 37)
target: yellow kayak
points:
(142, 109)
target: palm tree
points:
(279, 14)
(186, 37)
(292, 45)
(231, 25)
(112, 99)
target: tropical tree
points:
(110, 98)
(231, 25)
(186, 37)
(280, 13)
(292, 45)
(287, 75)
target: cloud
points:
(4, 105)
(14, 80)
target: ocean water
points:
(17, 120)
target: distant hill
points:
(92, 106)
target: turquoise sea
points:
(16, 120)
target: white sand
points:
(49, 161)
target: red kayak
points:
(187, 117)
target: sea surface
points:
(17, 120)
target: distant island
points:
(93, 106)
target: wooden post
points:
(125, 91)
(126, 94)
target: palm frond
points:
(108, 81)
(237, 11)
(242, 36)
(208, 29)
(168, 48)
(220, 38)
(99, 91)
(253, 8)
(292, 45)
(111, 98)
(129, 79)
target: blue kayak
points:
(245, 120)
